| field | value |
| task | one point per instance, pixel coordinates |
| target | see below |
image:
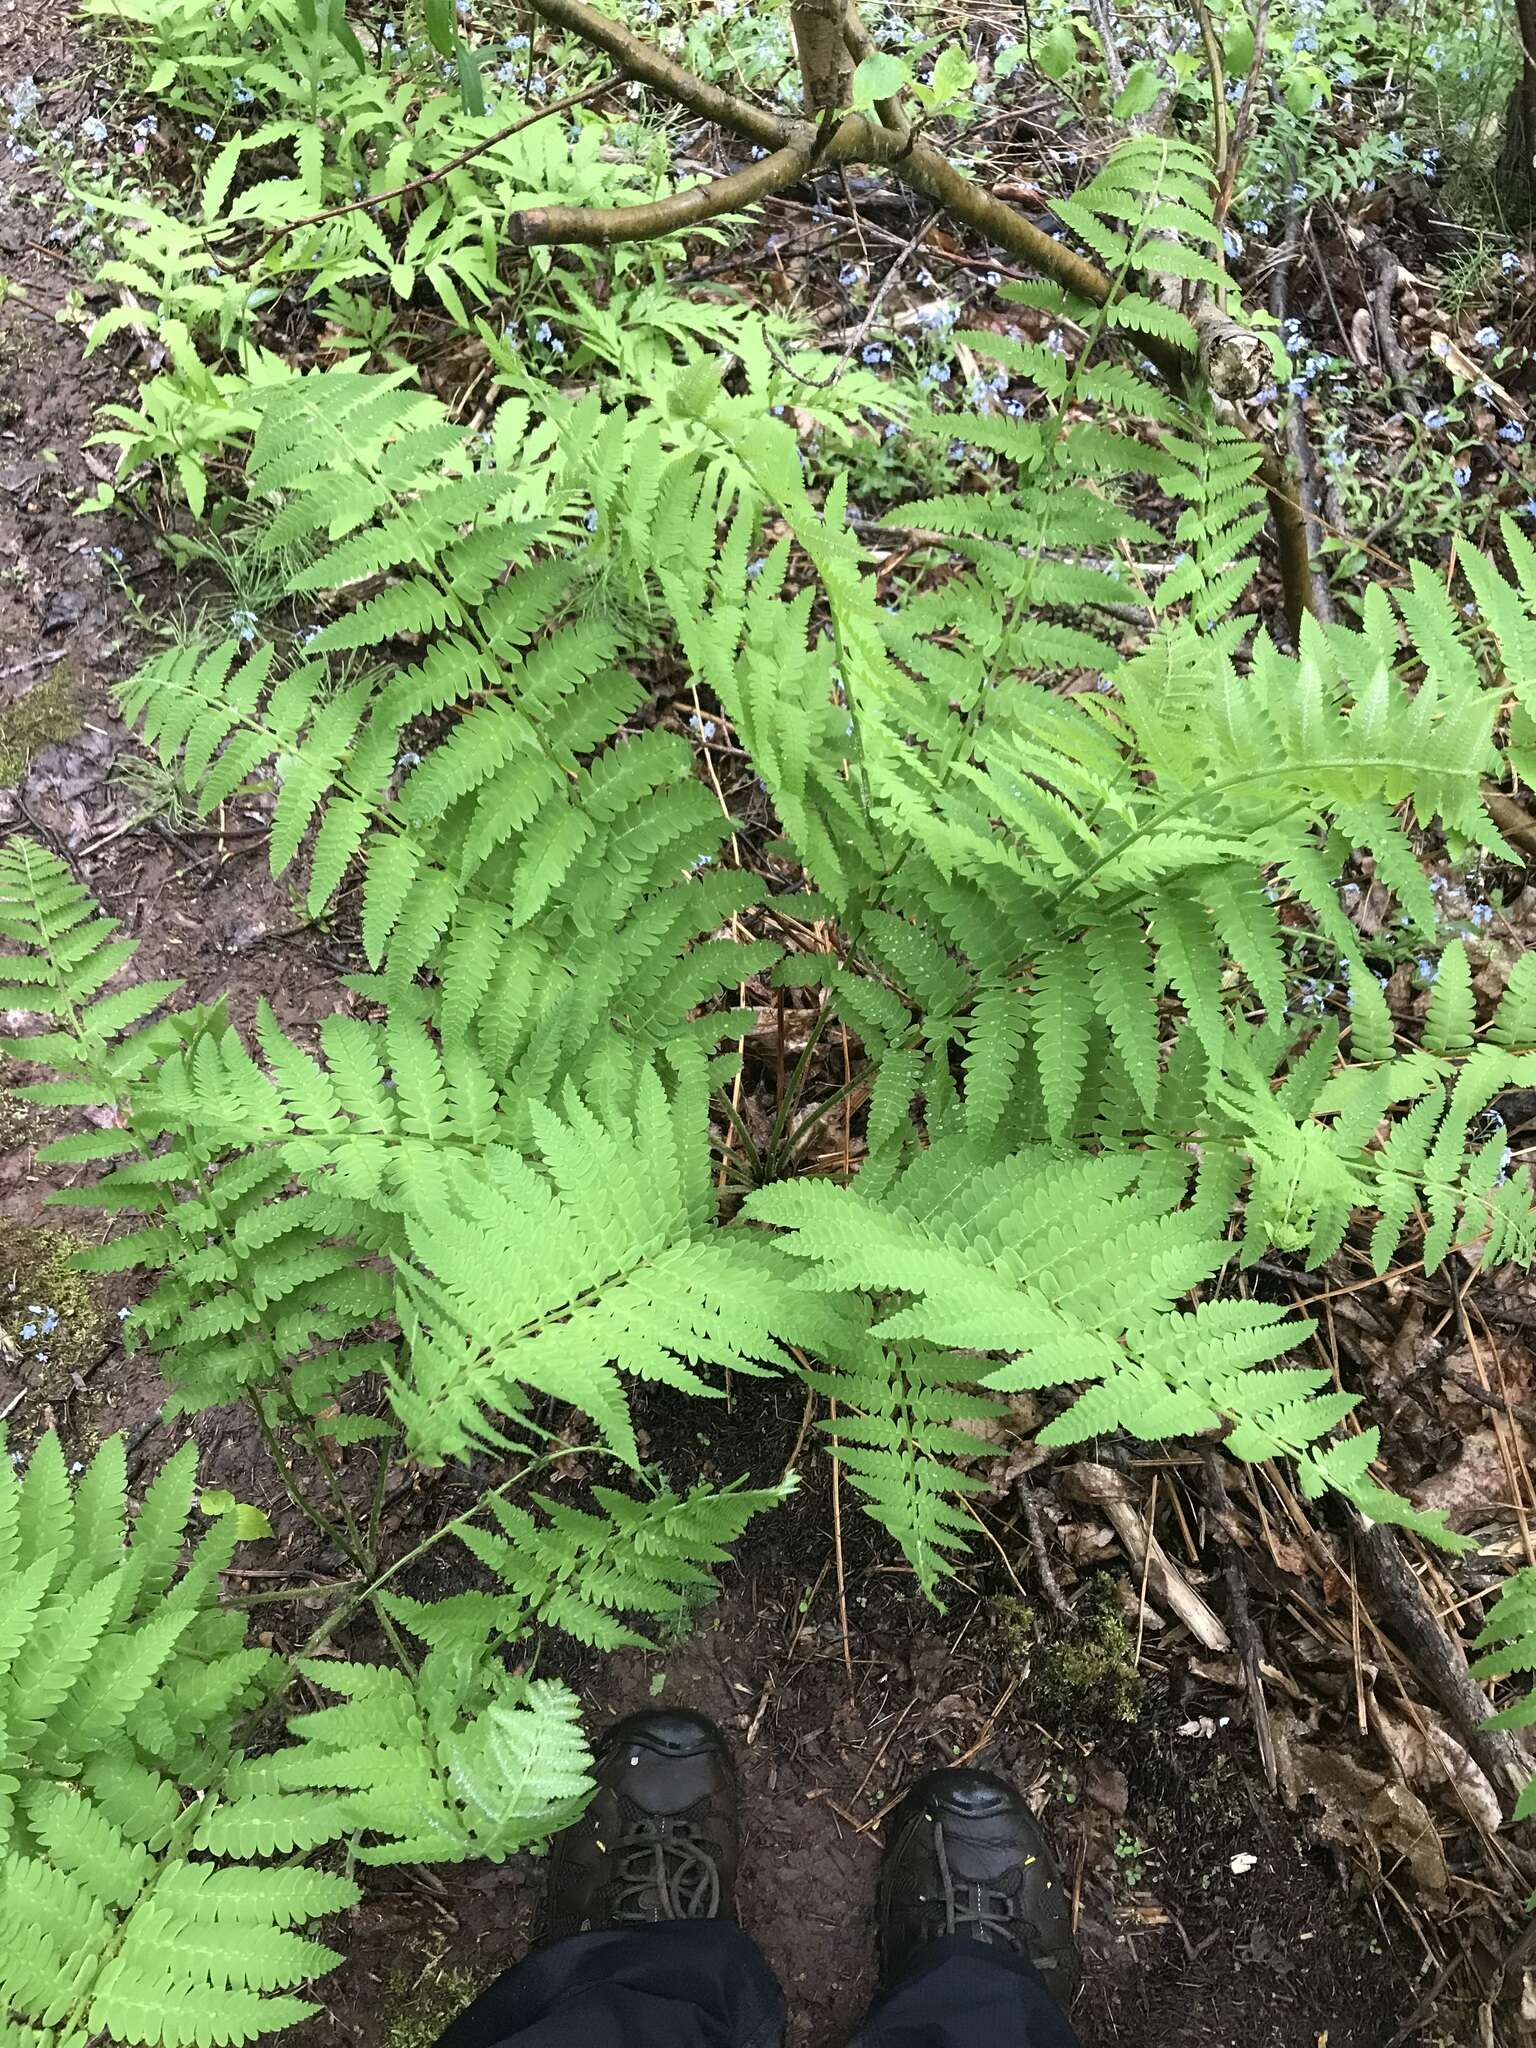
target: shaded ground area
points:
(1279, 1948)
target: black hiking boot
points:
(659, 1842)
(965, 1855)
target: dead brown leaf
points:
(1360, 1809)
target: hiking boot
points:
(659, 1842)
(965, 1855)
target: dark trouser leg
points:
(960, 1993)
(683, 1984)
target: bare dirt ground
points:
(1206, 1914)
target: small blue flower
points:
(755, 566)
(1486, 337)
(849, 274)
(409, 759)
(50, 1323)
(94, 130)
(705, 728)
(875, 352)
(543, 331)
(1425, 969)
(1231, 242)
(1509, 263)
(1434, 419)
(241, 92)
(28, 1330)
(592, 519)
(1513, 432)
(204, 131)
(1461, 476)
(1481, 914)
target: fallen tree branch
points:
(1232, 361)
(1402, 1607)
(599, 226)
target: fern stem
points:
(311, 1514)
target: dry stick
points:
(1440, 1662)
(1303, 463)
(457, 163)
(1106, 24)
(1388, 275)
(1050, 1585)
(1219, 138)
(837, 1550)
(1244, 1633)
(1239, 139)
(857, 337)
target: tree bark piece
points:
(1440, 1662)
(1104, 1488)
(826, 64)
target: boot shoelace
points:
(665, 1874)
(978, 1910)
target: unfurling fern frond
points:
(120, 1682)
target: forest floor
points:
(1327, 1912)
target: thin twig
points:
(1045, 1571)
(837, 1550)
(457, 163)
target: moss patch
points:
(1082, 1669)
(46, 713)
(419, 2003)
(50, 1315)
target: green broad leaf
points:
(953, 74)
(1142, 86)
(879, 77)
(441, 31)
(1057, 52)
(471, 82)
(1237, 49)
(251, 1524)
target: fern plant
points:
(121, 1681)
(1056, 827)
